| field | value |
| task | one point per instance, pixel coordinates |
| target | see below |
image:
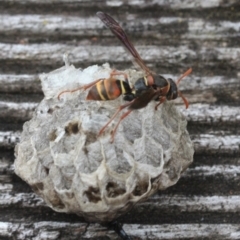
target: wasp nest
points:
(76, 171)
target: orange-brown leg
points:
(161, 100)
(122, 117)
(84, 87)
(184, 99)
(115, 73)
(114, 115)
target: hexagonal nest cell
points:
(76, 171)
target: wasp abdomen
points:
(108, 89)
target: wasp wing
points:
(121, 35)
(144, 98)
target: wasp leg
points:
(161, 100)
(115, 73)
(117, 227)
(184, 99)
(84, 87)
(121, 118)
(114, 115)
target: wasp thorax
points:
(76, 171)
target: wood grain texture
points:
(171, 36)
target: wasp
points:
(146, 89)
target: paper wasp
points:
(148, 88)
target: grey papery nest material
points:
(74, 170)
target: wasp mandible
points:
(150, 87)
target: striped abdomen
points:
(108, 89)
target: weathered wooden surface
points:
(171, 36)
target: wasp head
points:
(173, 90)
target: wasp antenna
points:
(184, 99)
(184, 75)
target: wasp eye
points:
(175, 94)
